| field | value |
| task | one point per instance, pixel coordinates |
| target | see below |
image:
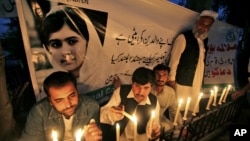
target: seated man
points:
(166, 97)
(63, 111)
(134, 99)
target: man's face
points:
(202, 27)
(64, 99)
(161, 77)
(141, 91)
(67, 48)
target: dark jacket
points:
(189, 59)
(143, 112)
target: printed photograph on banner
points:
(64, 37)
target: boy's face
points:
(141, 91)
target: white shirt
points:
(183, 92)
(115, 100)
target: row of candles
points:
(78, 135)
(80, 132)
(212, 98)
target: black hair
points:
(142, 76)
(58, 78)
(55, 20)
(161, 67)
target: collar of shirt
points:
(147, 101)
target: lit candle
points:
(210, 100)
(186, 109)
(177, 112)
(117, 132)
(54, 135)
(225, 97)
(197, 104)
(79, 134)
(222, 95)
(151, 123)
(135, 127)
(127, 115)
(215, 95)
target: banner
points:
(223, 42)
(123, 35)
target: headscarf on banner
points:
(93, 61)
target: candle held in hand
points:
(117, 132)
(135, 127)
(127, 115)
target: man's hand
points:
(172, 84)
(237, 94)
(92, 132)
(117, 82)
(116, 113)
(156, 131)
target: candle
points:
(186, 109)
(54, 135)
(210, 100)
(135, 127)
(79, 134)
(197, 104)
(215, 95)
(177, 112)
(127, 115)
(222, 95)
(117, 132)
(225, 97)
(151, 123)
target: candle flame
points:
(54, 135)
(134, 118)
(153, 114)
(180, 101)
(117, 125)
(215, 89)
(79, 134)
(201, 94)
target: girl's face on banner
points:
(67, 48)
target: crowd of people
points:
(66, 111)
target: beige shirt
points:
(167, 100)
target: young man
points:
(166, 97)
(63, 111)
(134, 99)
